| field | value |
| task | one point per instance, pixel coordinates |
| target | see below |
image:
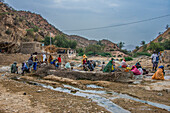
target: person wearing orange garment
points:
(159, 74)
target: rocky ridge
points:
(161, 38)
(22, 26)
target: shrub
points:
(112, 50)
(141, 53)
(155, 47)
(35, 29)
(128, 58)
(80, 51)
(30, 32)
(105, 54)
(90, 53)
(8, 32)
(160, 39)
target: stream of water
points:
(103, 98)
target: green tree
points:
(142, 43)
(160, 39)
(167, 26)
(80, 51)
(155, 47)
(47, 41)
(72, 44)
(62, 41)
(93, 48)
(137, 47)
(166, 44)
(120, 45)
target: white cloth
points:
(123, 63)
(154, 57)
(141, 70)
(67, 66)
(44, 57)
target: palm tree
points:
(142, 43)
(120, 45)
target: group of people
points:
(159, 73)
(136, 69)
(26, 66)
(56, 62)
(33, 63)
(88, 65)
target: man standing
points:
(59, 61)
(155, 60)
(44, 57)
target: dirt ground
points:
(19, 95)
(32, 98)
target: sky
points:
(70, 15)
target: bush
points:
(128, 58)
(166, 44)
(141, 53)
(112, 50)
(155, 47)
(8, 32)
(105, 54)
(90, 53)
(35, 29)
(80, 51)
(30, 32)
(160, 39)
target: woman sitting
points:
(159, 74)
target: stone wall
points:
(115, 76)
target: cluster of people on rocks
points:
(137, 69)
(33, 62)
(88, 64)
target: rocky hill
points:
(161, 38)
(22, 26)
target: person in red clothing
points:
(59, 61)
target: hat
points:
(15, 62)
(161, 66)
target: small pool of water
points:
(93, 86)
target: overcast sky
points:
(81, 14)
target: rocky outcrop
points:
(22, 26)
(161, 38)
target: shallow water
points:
(93, 86)
(102, 97)
(104, 100)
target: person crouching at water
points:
(159, 74)
(123, 64)
(24, 68)
(84, 62)
(110, 67)
(50, 59)
(91, 66)
(14, 68)
(35, 60)
(103, 66)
